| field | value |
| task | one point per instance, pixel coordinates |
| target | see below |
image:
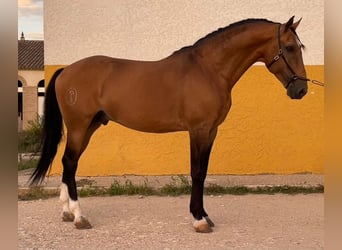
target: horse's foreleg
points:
(200, 144)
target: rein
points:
(294, 75)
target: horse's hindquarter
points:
(78, 89)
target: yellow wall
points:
(265, 132)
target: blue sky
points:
(30, 19)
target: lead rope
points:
(317, 82)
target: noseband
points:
(281, 55)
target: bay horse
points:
(190, 90)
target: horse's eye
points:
(290, 48)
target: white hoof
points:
(202, 226)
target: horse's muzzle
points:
(297, 89)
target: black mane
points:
(220, 30)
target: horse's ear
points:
(289, 23)
(295, 25)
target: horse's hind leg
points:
(68, 195)
(77, 141)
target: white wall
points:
(152, 29)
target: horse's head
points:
(285, 59)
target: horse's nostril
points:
(302, 92)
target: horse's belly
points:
(153, 119)
(150, 125)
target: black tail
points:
(51, 134)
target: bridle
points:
(281, 55)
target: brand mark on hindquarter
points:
(71, 96)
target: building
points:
(30, 80)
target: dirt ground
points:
(134, 222)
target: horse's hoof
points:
(210, 222)
(202, 226)
(67, 216)
(82, 223)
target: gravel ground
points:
(134, 222)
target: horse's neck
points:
(230, 56)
